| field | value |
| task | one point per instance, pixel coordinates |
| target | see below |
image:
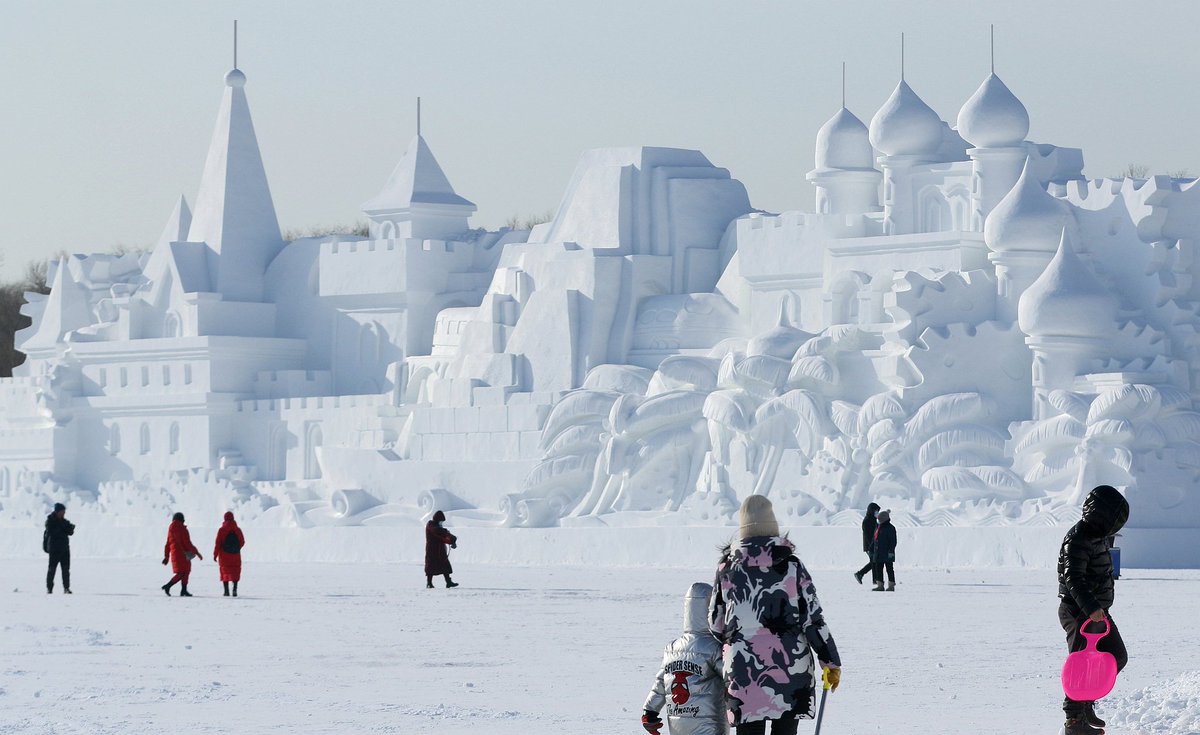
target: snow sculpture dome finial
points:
(234, 77)
(1067, 300)
(1027, 219)
(993, 117)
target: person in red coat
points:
(179, 550)
(437, 559)
(227, 552)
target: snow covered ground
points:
(364, 648)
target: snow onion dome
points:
(905, 125)
(844, 143)
(1067, 300)
(1028, 218)
(235, 78)
(993, 117)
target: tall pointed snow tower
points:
(418, 201)
(234, 213)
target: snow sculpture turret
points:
(845, 176)
(66, 310)
(1070, 319)
(1023, 232)
(417, 201)
(908, 133)
(234, 213)
(995, 122)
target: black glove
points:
(652, 722)
(454, 545)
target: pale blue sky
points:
(106, 108)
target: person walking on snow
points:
(869, 524)
(56, 541)
(227, 552)
(883, 552)
(689, 683)
(1086, 591)
(179, 550)
(437, 559)
(766, 613)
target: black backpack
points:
(46, 541)
(231, 544)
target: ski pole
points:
(821, 709)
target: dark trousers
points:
(877, 572)
(1071, 618)
(785, 725)
(868, 567)
(57, 559)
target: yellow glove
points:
(832, 677)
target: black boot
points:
(1078, 726)
(235, 589)
(449, 582)
(183, 592)
(50, 589)
(429, 583)
(1089, 715)
(226, 586)
(167, 588)
(858, 577)
(66, 590)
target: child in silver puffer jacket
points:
(690, 683)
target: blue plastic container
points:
(1115, 553)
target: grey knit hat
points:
(757, 518)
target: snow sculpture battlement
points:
(964, 329)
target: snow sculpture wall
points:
(965, 331)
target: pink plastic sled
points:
(1089, 674)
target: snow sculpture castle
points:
(965, 330)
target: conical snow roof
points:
(234, 212)
(905, 125)
(1027, 218)
(1067, 300)
(67, 309)
(782, 340)
(993, 117)
(417, 179)
(843, 142)
(178, 224)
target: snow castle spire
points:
(417, 201)
(234, 213)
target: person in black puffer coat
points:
(883, 552)
(1086, 590)
(869, 524)
(56, 542)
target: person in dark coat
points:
(869, 524)
(1086, 591)
(883, 552)
(227, 553)
(437, 559)
(179, 550)
(56, 542)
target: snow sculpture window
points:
(145, 375)
(4, 480)
(187, 374)
(144, 439)
(173, 439)
(166, 374)
(114, 439)
(102, 379)
(388, 231)
(124, 377)
(171, 326)
(312, 442)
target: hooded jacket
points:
(58, 533)
(689, 683)
(884, 548)
(766, 612)
(437, 559)
(179, 545)
(1085, 570)
(230, 562)
(868, 526)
